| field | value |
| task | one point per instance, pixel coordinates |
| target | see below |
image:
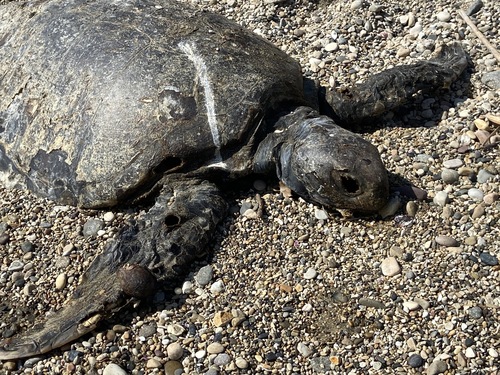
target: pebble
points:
(443, 16)
(488, 259)
(415, 30)
(411, 305)
(4, 239)
(241, 363)
(217, 287)
(356, 4)
(27, 247)
(415, 361)
(403, 52)
(9, 366)
(422, 302)
(175, 329)
(490, 198)
(475, 312)
(369, 302)
(321, 365)
(222, 359)
(187, 287)
(476, 194)
(109, 217)
(441, 198)
(492, 353)
(222, 318)
(375, 8)
(437, 367)
(61, 281)
(390, 267)
(391, 207)
(446, 241)
(148, 330)
(172, 368)
(449, 176)
(16, 265)
(474, 7)
(200, 354)
(469, 353)
(492, 79)
(320, 214)
(331, 47)
(310, 274)
(92, 227)
(215, 348)
(484, 176)
(453, 163)
(113, 369)
(411, 208)
(478, 211)
(174, 351)
(204, 275)
(304, 349)
(153, 363)
(68, 249)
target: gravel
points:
(300, 291)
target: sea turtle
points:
(103, 102)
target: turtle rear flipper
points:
(393, 87)
(154, 251)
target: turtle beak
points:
(93, 301)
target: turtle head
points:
(330, 165)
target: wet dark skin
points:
(60, 141)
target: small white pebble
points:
(390, 267)
(61, 281)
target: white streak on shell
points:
(201, 70)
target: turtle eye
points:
(346, 182)
(172, 220)
(349, 184)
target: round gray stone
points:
(91, 227)
(449, 176)
(415, 361)
(475, 194)
(492, 79)
(204, 275)
(222, 359)
(475, 312)
(484, 176)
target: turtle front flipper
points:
(154, 251)
(391, 88)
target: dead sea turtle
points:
(103, 102)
